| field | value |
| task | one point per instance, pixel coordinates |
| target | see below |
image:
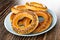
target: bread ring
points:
(17, 9)
(35, 7)
(27, 29)
(43, 25)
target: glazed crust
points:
(34, 9)
(28, 29)
(35, 6)
(44, 24)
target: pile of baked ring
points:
(24, 18)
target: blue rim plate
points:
(8, 26)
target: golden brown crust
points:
(28, 29)
(17, 9)
(31, 8)
(42, 25)
(45, 24)
(35, 6)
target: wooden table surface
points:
(5, 6)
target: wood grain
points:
(5, 6)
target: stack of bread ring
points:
(25, 18)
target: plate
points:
(8, 26)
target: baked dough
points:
(29, 28)
(44, 24)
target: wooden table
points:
(5, 6)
